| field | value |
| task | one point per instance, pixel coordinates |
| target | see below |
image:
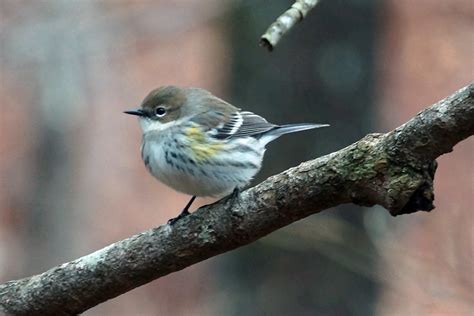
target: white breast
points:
(216, 177)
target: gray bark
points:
(285, 22)
(394, 170)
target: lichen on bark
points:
(394, 170)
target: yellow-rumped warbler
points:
(201, 145)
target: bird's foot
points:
(234, 193)
(173, 220)
(184, 212)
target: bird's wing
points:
(235, 124)
(241, 124)
(223, 121)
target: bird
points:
(201, 145)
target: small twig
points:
(285, 22)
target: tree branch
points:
(394, 170)
(285, 22)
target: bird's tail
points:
(288, 128)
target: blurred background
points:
(72, 180)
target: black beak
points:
(138, 112)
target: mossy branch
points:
(394, 170)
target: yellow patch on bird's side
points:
(201, 146)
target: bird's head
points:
(161, 108)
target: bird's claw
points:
(173, 220)
(234, 193)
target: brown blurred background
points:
(71, 178)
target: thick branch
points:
(285, 22)
(394, 170)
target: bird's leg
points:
(234, 193)
(230, 197)
(183, 213)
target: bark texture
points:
(285, 22)
(394, 170)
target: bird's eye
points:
(160, 111)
